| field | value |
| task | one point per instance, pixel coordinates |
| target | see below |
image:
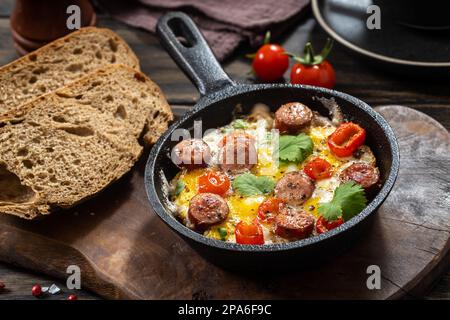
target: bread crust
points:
(47, 69)
(151, 129)
(24, 59)
(69, 142)
(103, 124)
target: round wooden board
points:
(125, 251)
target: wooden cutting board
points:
(125, 251)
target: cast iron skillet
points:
(219, 96)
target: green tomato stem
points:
(309, 58)
(267, 37)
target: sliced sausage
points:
(191, 154)
(237, 153)
(362, 173)
(291, 117)
(294, 188)
(206, 209)
(291, 223)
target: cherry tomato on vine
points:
(319, 75)
(270, 61)
(312, 69)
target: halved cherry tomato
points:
(213, 182)
(269, 209)
(249, 233)
(346, 139)
(318, 169)
(323, 225)
(270, 62)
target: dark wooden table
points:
(375, 86)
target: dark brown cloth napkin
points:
(224, 23)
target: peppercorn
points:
(36, 291)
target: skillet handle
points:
(193, 55)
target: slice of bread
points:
(61, 62)
(68, 145)
(45, 166)
(117, 90)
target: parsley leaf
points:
(248, 184)
(295, 148)
(239, 124)
(349, 199)
(179, 187)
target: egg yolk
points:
(246, 208)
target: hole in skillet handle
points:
(181, 32)
(185, 43)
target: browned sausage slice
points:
(237, 153)
(294, 188)
(206, 209)
(362, 173)
(191, 154)
(293, 224)
(291, 117)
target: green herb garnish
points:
(349, 199)
(248, 184)
(239, 124)
(179, 187)
(223, 233)
(295, 148)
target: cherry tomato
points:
(249, 233)
(320, 75)
(346, 139)
(318, 169)
(270, 62)
(269, 209)
(313, 69)
(72, 297)
(213, 182)
(323, 225)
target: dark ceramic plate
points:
(219, 96)
(408, 41)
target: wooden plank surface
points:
(354, 77)
(125, 251)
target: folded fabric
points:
(224, 23)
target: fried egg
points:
(246, 208)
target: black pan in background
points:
(219, 96)
(408, 42)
